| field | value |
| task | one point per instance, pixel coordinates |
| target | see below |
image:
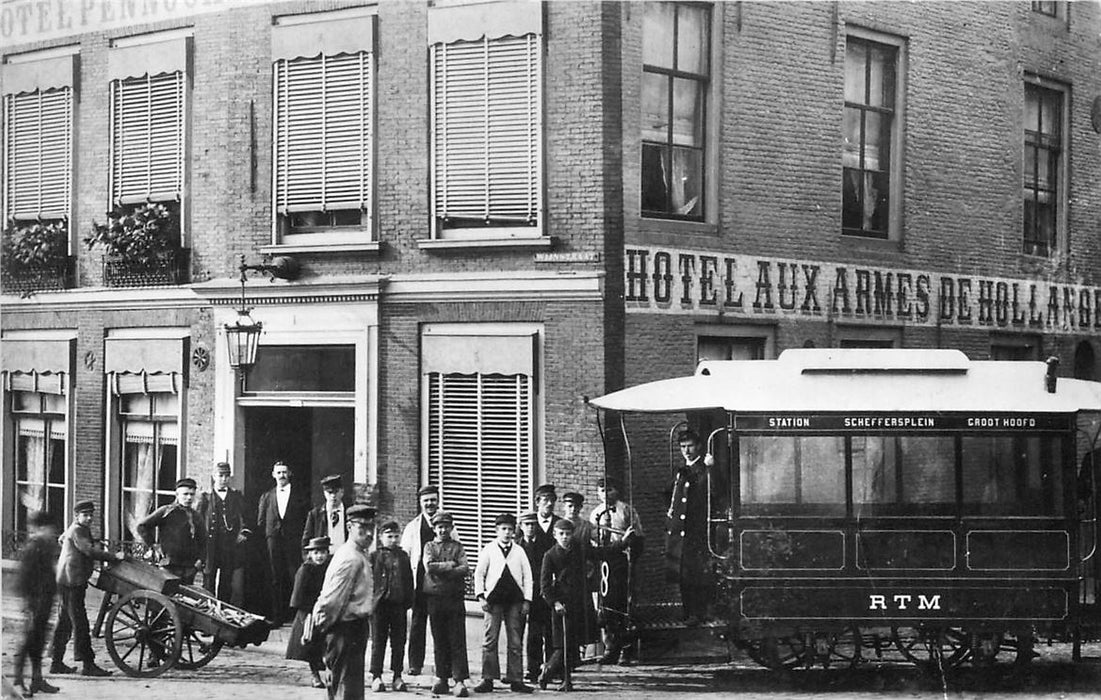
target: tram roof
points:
(879, 380)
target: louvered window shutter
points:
(480, 448)
(487, 128)
(147, 138)
(323, 133)
(39, 154)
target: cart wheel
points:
(933, 649)
(777, 653)
(198, 649)
(144, 633)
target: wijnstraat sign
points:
(666, 280)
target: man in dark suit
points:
(327, 519)
(222, 511)
(280, 518)
(539, 647)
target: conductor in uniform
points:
(222, 512)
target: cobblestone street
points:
(262, 671)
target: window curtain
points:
(32, 446)
(141, 457)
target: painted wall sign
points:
(677, 281)
(38, 20)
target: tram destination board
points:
(904, 422)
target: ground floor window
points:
(41, 440)
(150, 455)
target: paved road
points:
(260, 673)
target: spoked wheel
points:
(933, 648)
(144, 633)
(198, 649)
(777, 653)
(843, 647)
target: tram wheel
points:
(844, 647)
(934, 649)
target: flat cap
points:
(505, 519)
(84, 506)
(390, 526)
(318, 543)
(608, 482)
(546, 490)
(529, 517)
(442, 516)
(573, 497)
(428, 490)
(563, 524)
(361, 512)
(332, 482)
(222, 468)
(186, 483)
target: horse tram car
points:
(878, 505)
(152, 621)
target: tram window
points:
(1012, 475)
(903, 475)
(803, 471)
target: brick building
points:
(501, 208)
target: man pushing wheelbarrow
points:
(562, 584)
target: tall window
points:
(38, 154)
(870, 121)
(324, 127)
(676, 50)
(150, 459)
(487, 130)
(1051, 8)
(479, 426)
(1042, 168)
(41, 440)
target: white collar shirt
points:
(336, 530)
(282, 497)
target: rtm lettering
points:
(903, 601)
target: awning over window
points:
(478, 354)
(145, 365)
(36, 365)
(155, 58)
(491, 20)
(330, 38)
(45, 74)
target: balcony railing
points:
(27, 280)
(165, 269)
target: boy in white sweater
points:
(503, 584)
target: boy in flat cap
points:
(393, 590)
(445, 570)
(327, 519)
(307, 588)
(78, 552)
(419, 532)
(343, 608)
(503, 585)
(618, 531)
(38, 586)
(540, 644)
(180, 532)
(562, 584)
(222, 512)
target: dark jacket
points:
(78, 552)
(445, 569)
(562, 580)
(307, 585)
(317, 524)
(179, 531)
(393, 576)
(38, 569)
(686, 549)
(289, 527)
(535, 552)
(224, 521)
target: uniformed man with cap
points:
(417, 533)
(222, 512)
(328, 519)
(78, 552)
(619, 538)
(343, 608)
(179, 531)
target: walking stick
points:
(567, 654)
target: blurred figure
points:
(74, 567)
(222, 512)
(38, 585)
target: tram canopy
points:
(879, 380)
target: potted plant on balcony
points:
(35, 255)
(141, 246)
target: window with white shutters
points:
(487, 130)
(38, 154)
(323, 132)
(480, 448)
(147, 138)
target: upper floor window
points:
(871, 120)
(38, 135)
(1052, 8)
(324, 126)
(148, 106)
(487, 122)
(676, 70)
(1043, 167)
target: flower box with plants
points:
(141, 246)
(35, 256)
